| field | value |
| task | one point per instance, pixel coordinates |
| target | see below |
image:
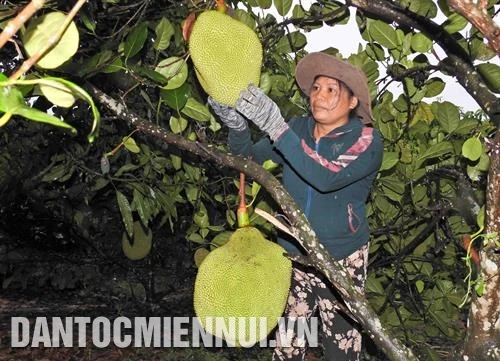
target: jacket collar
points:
(353, 123)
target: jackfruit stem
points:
(221, 6)
(242, 212)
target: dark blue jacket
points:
(330, 180)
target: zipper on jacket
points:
(309, 188)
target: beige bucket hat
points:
(315, 64)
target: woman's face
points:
(330, 102)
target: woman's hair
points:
(344, 86)
(351, 94)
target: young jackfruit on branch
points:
(247, 277)
(141, 244)
(227, 55)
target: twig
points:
(14, 25)
(51, 43)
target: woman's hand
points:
(228, 115)
(256, 106)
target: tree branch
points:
(317, 254)
(475, 12)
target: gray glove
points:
(228, 115)
(262, 111)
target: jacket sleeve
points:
(240, 143)
(363, 158)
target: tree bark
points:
(482, 342)
(317, 255)
(475, 12)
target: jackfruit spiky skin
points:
(247, 277)
(227, 55)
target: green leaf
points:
(175, 70)
(42, 117)
(383, 34)
(269, 165)
(195, 110)
(434, 87)
(491, 74)
(431, 355)
(423, 112)
(126, 213)
(479, 287)
(420, 285)
(11, 98)
(57, 93)
(484, 163)
(142, 207)
(388, 130)
(81, 93)
(39, 34)
(195, 237)
(221, 239)
(472, 149)
(283, 6)
(135, 40)
(178, 125)
(176, 98)
(426, 8)
(126, 168)
(46, 118)
(389, 160)
(421, 43)
(473, 173)
(373, 285)
(89, 23)
(176, 161)
(448, 116)
(265, 4)
(148, 73)
(60, 172)
(375, 51)
(466, 126)
(200, 218)
(265, 82)
(479, 50)
(131, 145)
(114, 66)
(455, 23)
(393, 188)
(105, 166)
(95, 62)
(244, 17)
(255, 189)
(295, 41)
(164, 31)
(435, 151)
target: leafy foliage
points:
(428, 194)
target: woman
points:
(330, 159)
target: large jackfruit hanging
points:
(227, 55)
(247, 278)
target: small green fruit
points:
(142, 242)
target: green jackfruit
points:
(142, 242)
(247, 277)
(227, 55)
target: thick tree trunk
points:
(483, 332)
